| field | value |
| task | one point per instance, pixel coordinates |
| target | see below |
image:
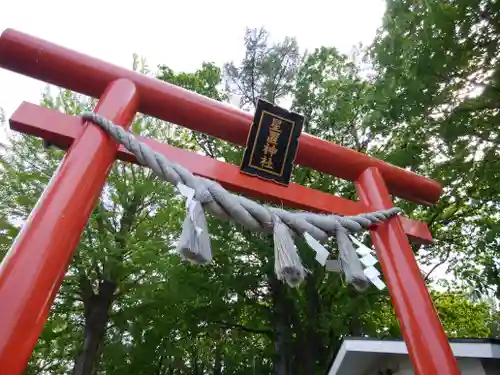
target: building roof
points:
(358, 354)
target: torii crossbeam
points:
(33, 269)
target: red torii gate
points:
(33, 269)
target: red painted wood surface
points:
(427, 344)
(33, 269)
(61, 130)
(51, 63)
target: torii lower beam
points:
(62, 130)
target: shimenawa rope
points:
(201, 193)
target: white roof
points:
(358, 354)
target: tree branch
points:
(266, 332)
(443, 261)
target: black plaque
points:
(272, 143)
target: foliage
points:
(266, 72)
(207, 82)
(436, 101)
(460, 316)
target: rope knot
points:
(202, 194)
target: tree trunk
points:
(282, 334)
(159, 367)
(355, 328)
(313, 347)
(97, 306)
(96, 318)
(297, 367)
(194, 358)
(308, 350)
(218, 361)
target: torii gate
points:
(32, 271)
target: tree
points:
(130, 231)
(340, 101)
(266, 72)
(460, 316)
(207, 82)
(436, 102)
(121, 269)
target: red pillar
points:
(427, 344)
(33, 269)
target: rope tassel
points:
(351, 264)
(194, 243)
(287, 263)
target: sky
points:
(180, 34)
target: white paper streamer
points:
(321, 253)
(378, 283)
(371, 272)
(362, 248)
(368, 261)
(188, 193)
